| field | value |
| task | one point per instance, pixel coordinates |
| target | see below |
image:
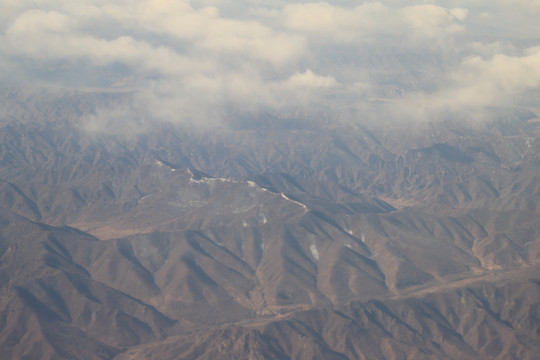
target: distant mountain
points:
(270, 241)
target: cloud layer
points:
(203, 61)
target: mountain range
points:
(266, 238)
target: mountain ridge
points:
(321, 241)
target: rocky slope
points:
(282, 239)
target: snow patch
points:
(161, 164)
(206, 180)
(314, 251)
(209, 181)
(294, 201)
(253, 184)
(363, 238)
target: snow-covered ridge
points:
(294, 201)
(250, 183)
(161, 164)
(253, 184)
(213, 180)
(207, 180)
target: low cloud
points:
(371, 22)
(499, 80)
(203, 61)
(309, 80)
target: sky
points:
(203, 61)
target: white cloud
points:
(369, 21)
(308, 79)
(531, 5)
(431, 20)
(341, 24)
(38, 21)
(199, 60)
(500, 80)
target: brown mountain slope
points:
(316, 241)
(52, 307)
(496, 320)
